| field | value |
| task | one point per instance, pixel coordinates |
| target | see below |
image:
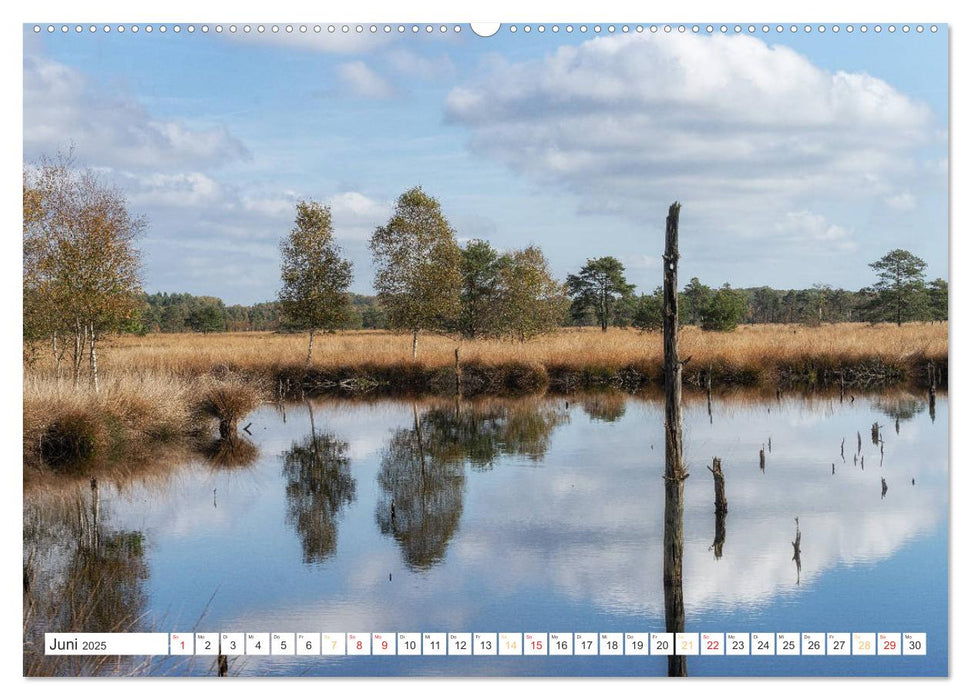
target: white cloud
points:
(355, 215)
(741, 132)
(904, 201)
(272, 206)
(180, 190)
(809, 230)
(362, 81)
(61, 107)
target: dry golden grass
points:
(133, 411)
(767, 345)
(59, 420)
(162, 386)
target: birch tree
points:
(417, 260)
(530, 302)
(315, 276)
(80, 257)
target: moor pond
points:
(529, 514)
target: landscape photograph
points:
(501, 341)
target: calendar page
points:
(597, 349)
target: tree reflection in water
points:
(422, 474)
(607, 406)
(318, 487)
(79, 576)
(900, 408)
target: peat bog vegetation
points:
(168, 390)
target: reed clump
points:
(227, 399)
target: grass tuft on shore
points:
(228, 399)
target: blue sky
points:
(799, 158)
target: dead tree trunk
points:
(719, 543)
(414, 345)
(721, 505)
(674, 470)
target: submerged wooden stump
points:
(797, 552)
(721, 504)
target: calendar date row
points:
(490, 643)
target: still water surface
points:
(538, 514)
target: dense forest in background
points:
(180, 313)
(183, 313)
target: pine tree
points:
(899, 294)
(599, 286)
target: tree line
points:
(81, 280)
(700, 305)
(186, 313)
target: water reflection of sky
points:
(573, 541)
